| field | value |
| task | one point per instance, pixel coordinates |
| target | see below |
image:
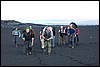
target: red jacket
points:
(77, 31)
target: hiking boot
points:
(72, 46)
(49, 53)
(30, 53)
(27, 54)
(44, 51)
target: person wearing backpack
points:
(77, 32)
(53, 30)
(32, 31)
(71, 34)
(52, 40)
(16, 33)
(47, 35)
(28, 38)
(62, 35)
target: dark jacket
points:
(47, 35)
(28, 36)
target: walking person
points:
(47, 35)
(52, 40)
(71, 34)
(16, 33)
(28, 38)
(62, 35)
(32, 31)
(53, 30)
(77, 32)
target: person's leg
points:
(49, 47)
(68, 38)
(16, 41)
(73, 38)
(27, 48)
(70, 41)
(24, 48)
(45, 47)
(77, 39)
(30, 48)
(64, 40)
(43, 43)
(53, 41)
(61, 40)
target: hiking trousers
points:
(62, 40)
(27, 47)
(47, 46)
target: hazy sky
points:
(49, 10)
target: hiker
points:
(41, 39)
(65, 29)
(62, 35)
(53, 29)
(77, 32)
(32, 31)
(68, 35)
(77, 36)
(28, 38)
(16, 33)
(52, 40)
(71, 34)
(47, 35)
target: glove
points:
(48, 39)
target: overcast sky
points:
(49, 10)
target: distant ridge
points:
(9, 23)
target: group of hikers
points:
(47, 37)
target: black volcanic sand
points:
(85, 54)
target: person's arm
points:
(19, 33)
(40, 37)
(43, 35)
(32, 41)
(23, 36)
